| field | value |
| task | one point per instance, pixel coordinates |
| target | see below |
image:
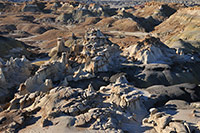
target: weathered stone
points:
(153, 111)
(164, 123)
(14, 72)
(39, 82)
(102, 52)
(57, 51)
(151, 50)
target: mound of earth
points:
(11, 47)
(33, 28)
(7, 28)
(106, 22)
(182, 25)
(154, 13)
(127, 25)
(10, 7)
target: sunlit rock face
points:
(47, 73)
(57, 51)
(110, 108)
(151, 50)
(101, 54)
(126, 97)
(94, 68)
(12, 73)
(181, 30)
(163, 122)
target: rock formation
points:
(12, 74)
(151, 50)
(106, 109)
(30, 8)
(46, 74)
(93, 67)
(101, 55)
(57, 51)
(182, 28)
(164, 123)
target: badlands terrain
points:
(78, 67)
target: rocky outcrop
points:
(64, 18)
(110, 108)
(164, 123)
(11, 121)
(143, 76)
(57, 51)
(151, 50)
(46, 75)
(154, 13)
(75, 16)
(162, 94)
(101, 55)
(86, 83)
(12, 74)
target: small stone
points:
(153, 111)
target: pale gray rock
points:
(151, 50)
(59, 49)
(15, 71)
(110, 108)
(164, 123)
(12, 74)
(43, 78)
(103, 55)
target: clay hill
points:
(68, 66)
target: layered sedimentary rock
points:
(164, 123)
(181, 25)
(151, 50)
(12, 73)
(101, 55)
(154, 13)
(46, 74)
(110, 108)
(99, 80)
(57, 51)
